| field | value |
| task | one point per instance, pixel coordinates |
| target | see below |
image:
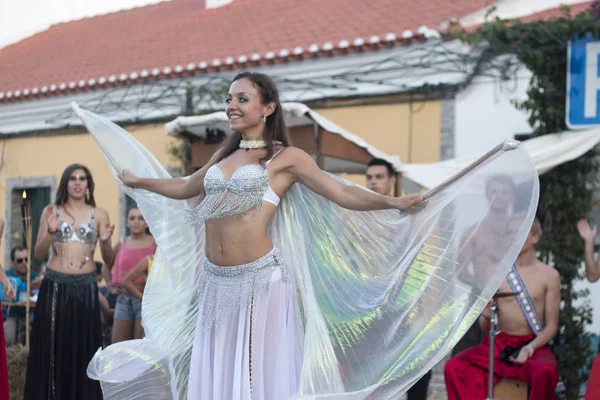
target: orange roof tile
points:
(181, 32)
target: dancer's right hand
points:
(51, 215)
(128, 178)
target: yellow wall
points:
(387, 127)
(384, 126)
(49, 155)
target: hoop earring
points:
(264, 118)
(87, 195)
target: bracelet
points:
(52, 233)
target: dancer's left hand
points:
(406, 202)
(128, 178)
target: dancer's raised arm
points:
(174, 188)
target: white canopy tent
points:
(297, 115)
(546, 151)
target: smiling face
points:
(78, 184)
(245, 108)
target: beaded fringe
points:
(225, 290)
(241, 194)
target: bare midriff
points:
(239, 239)
(76, 258)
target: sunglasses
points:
(78, 178)
(20, 260)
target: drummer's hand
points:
(487, 311)
(524, 354)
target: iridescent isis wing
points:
(156, 366)
(386, 295)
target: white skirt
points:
(248, 341)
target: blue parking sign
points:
(583, 83)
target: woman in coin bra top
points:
(67, 326)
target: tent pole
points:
(319, 136)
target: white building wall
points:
(485, 115)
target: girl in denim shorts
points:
(129, 252)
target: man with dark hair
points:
(19, 256)
(381, 178)
(14, 324)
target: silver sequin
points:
(242, 193)
(226, 289)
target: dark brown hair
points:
(275, 125)
(130, 209)
(379, 161)
(62, 193)
(18, 247)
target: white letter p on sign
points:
(592, 80)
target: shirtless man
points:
(519, 353)
(484, 250)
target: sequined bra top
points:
(85, 232)
(245, 191)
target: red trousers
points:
(3, 367)
(593, 387)
(466, 374)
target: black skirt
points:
(66, 333)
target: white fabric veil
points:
(383, 295)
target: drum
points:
(510, 389)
